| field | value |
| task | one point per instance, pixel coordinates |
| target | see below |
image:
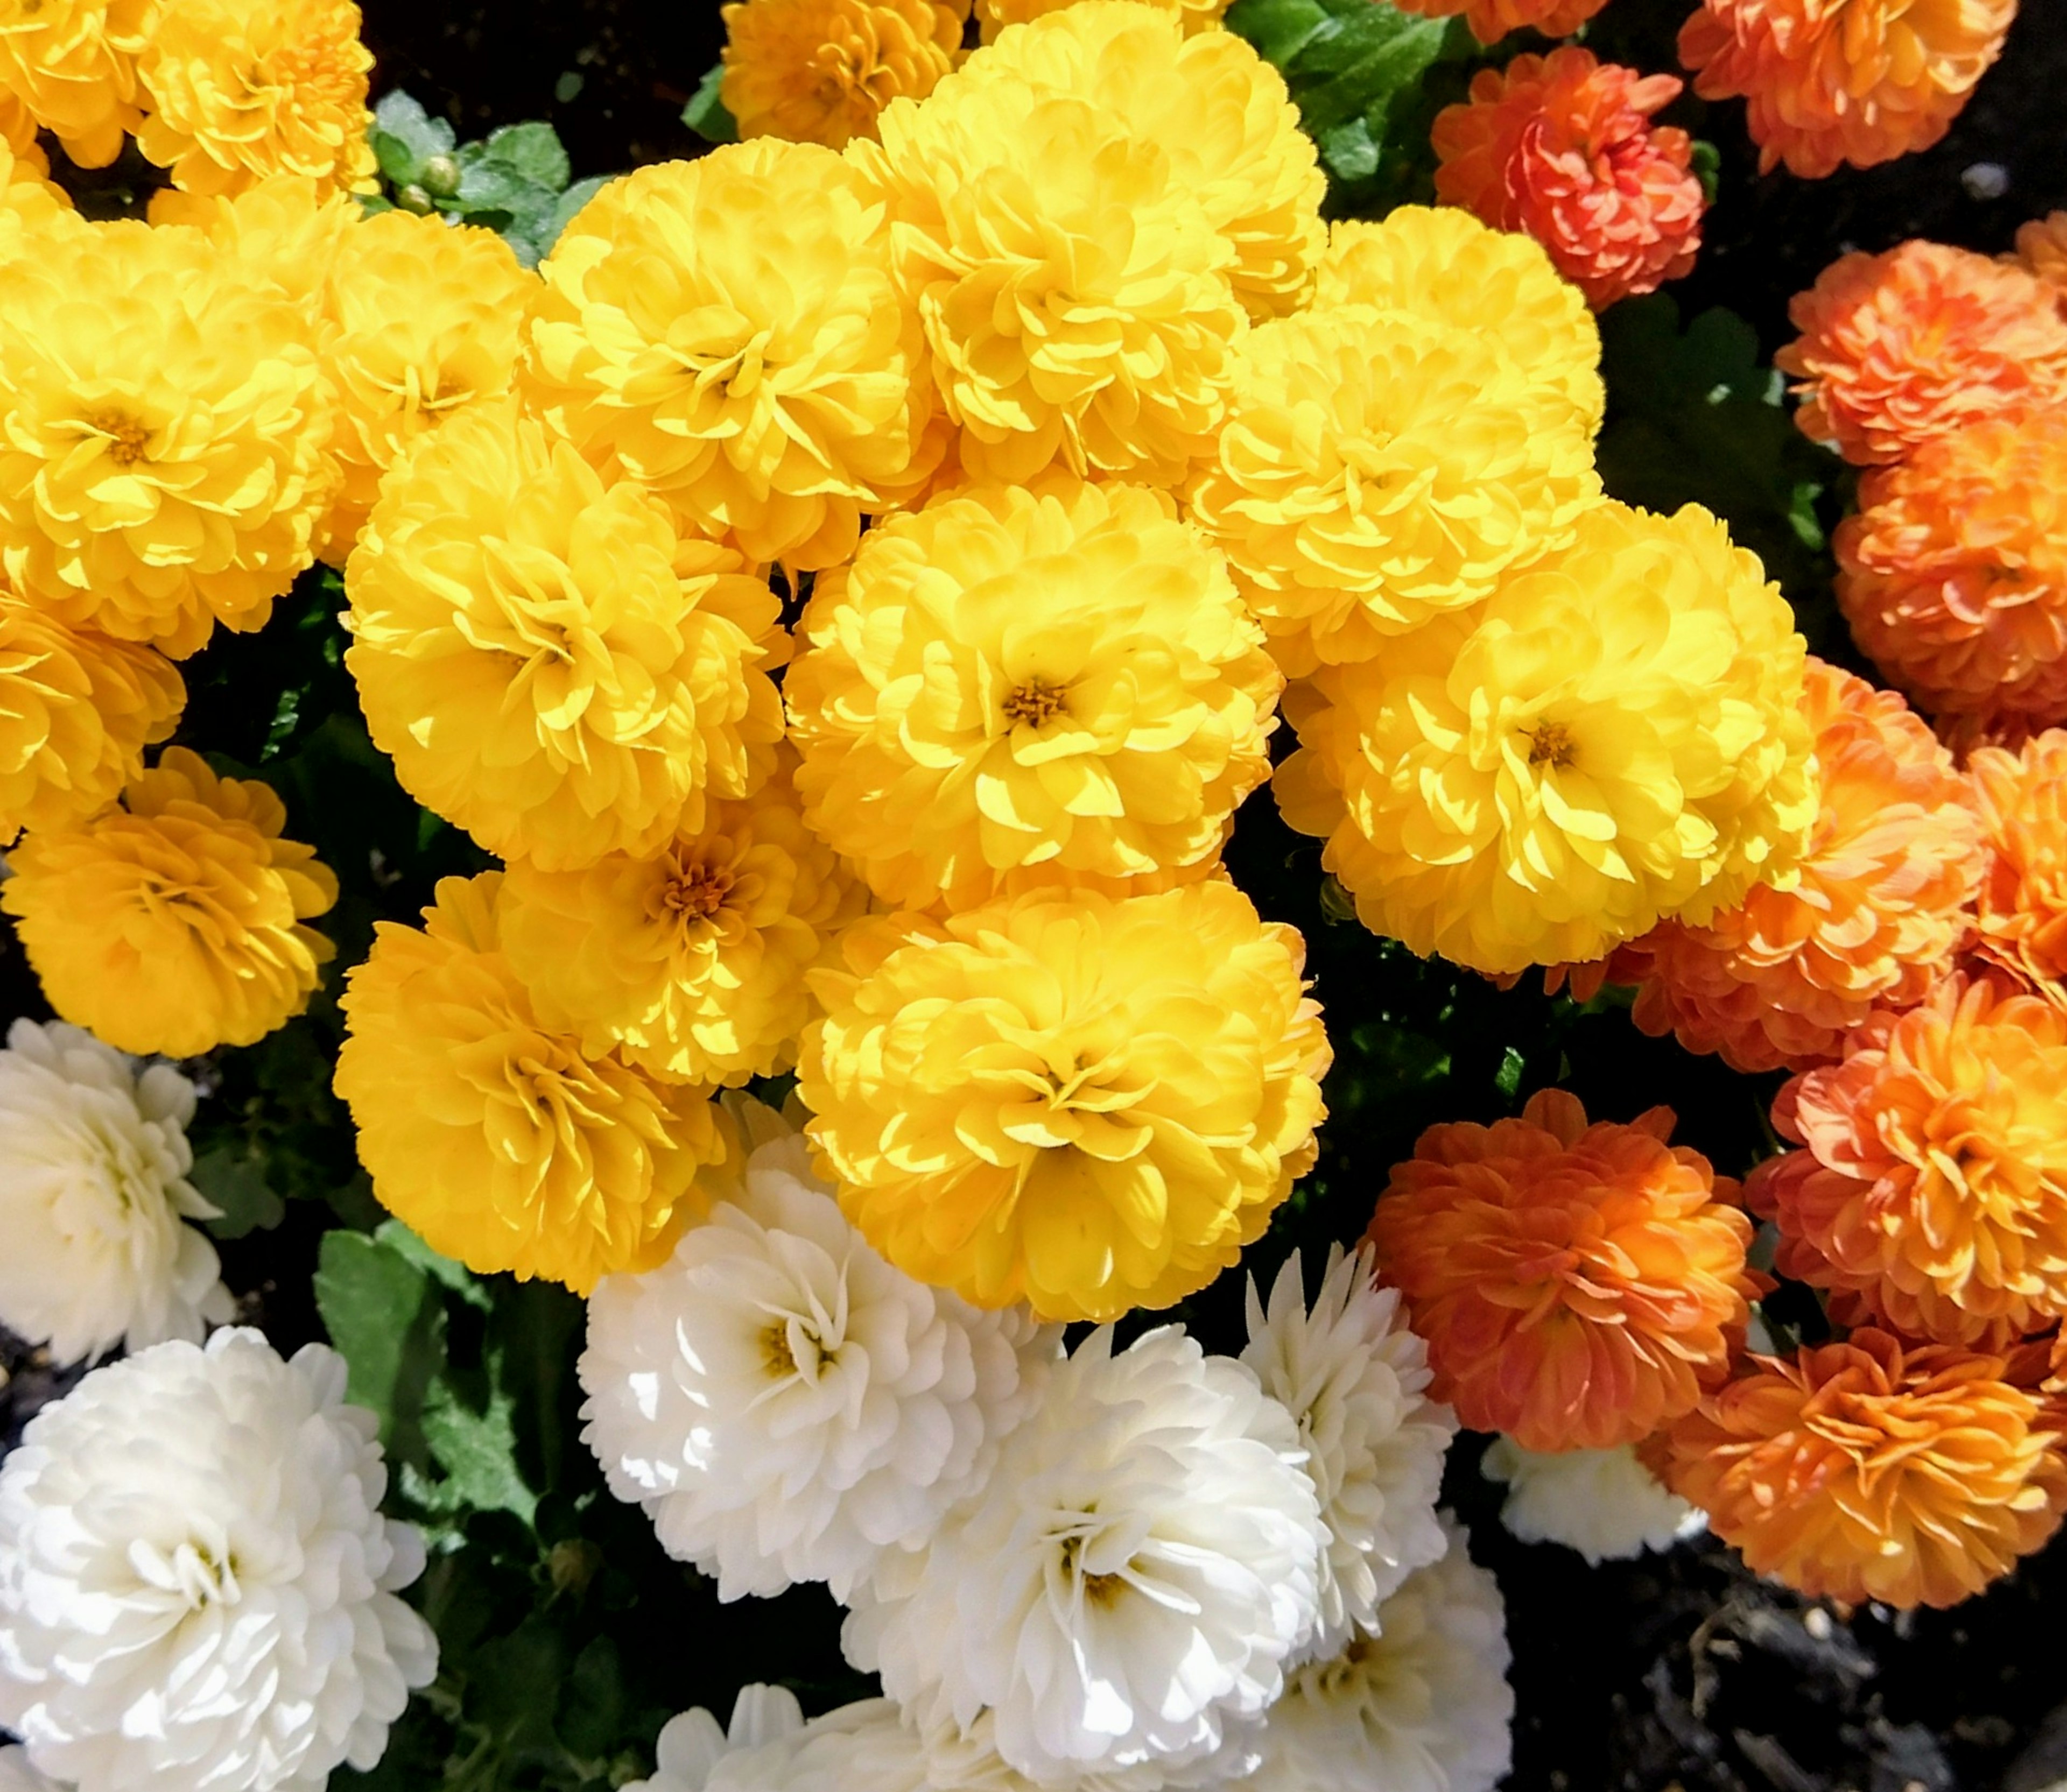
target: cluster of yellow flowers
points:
(852, 592)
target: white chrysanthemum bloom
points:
(696, 1754)
(1424, 1705)
(94, 1199)
(1355, 1379)
(17, 1775)
(1131, 1580)
(1604, 1503)
(197, 1586)
(784, 1403)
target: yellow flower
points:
(1088, 1105)
(77, 709)
(1376, 470)
(1010, 690)
(727, 328)
(286, 230)
(1616, 737)
(173, 924)
(690, 962)
(162, 430)
(72, 66)
(550, 666)
(420, 319)
(992, 16)
(31, 209)
(237, 89)
(819, 70)
(1085, 214)
(498, 1140)
(1442, 264)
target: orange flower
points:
(1833, 81)
(1872, 1470)
(2022, 797)
(1931, 1187)
(820, 70)
(1562, 147)
(2041, 249)
(1953, 575)
(1877, 915)
(1578, 1285)
(1898, 348)
(1491, 20)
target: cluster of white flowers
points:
(197, 1586)
(94, 1199)
(1604, 1503)
(1111, 1571)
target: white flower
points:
(1604, 1503)
(1421, 1706)
(1131, 1578)
(1354, 1377)
(695, 1755)
(94, 1196)
(786, 1405)
(17, 1775)
(195, 1583)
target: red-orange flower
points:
(1877, 915)
(1563, 147)
(2041, 249)
(1953, 573)
(1835, 81)
(1898, 348)
(2022, 797)
(1873, 1470)
(1491, 20)
(1578, 1285)
(1931, 1187)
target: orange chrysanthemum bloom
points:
(1874, 1471)
(1953, 572)
(820, 70)
(2022, 797)
(1578, 1286)
(1875, 919)
(2041, 249)
(1835, 81)
(1897, 349)
(1931, 1190)
(1491, 20)
(1562, 147)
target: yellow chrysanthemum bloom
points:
(549, 665)
(420, 319)
(31, 208)
(1616, 736)
(162, 431)
(286, 230)
(238, 90)
(728, 330)
(1441, 263)
(77, 709)
(1087, 1105)
(820, 70)
(1376, 469)
(689, 962)
(173, 924)
(1072, 211)
(72, 66)
(992, 16)
(500, 1141)
(1010, 690)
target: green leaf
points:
(404, 136)
(455, 1277)
(591, 1704)
(535, 1337)
(234, 1181)
(477, 1448)
(488, 185)
(1277, 28)
(388, 1322)
(705, 113)
(533, 152)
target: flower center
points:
(696, 892)
(1551, 745)
(784, 1358)
(127, 438)
(1035, 703)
